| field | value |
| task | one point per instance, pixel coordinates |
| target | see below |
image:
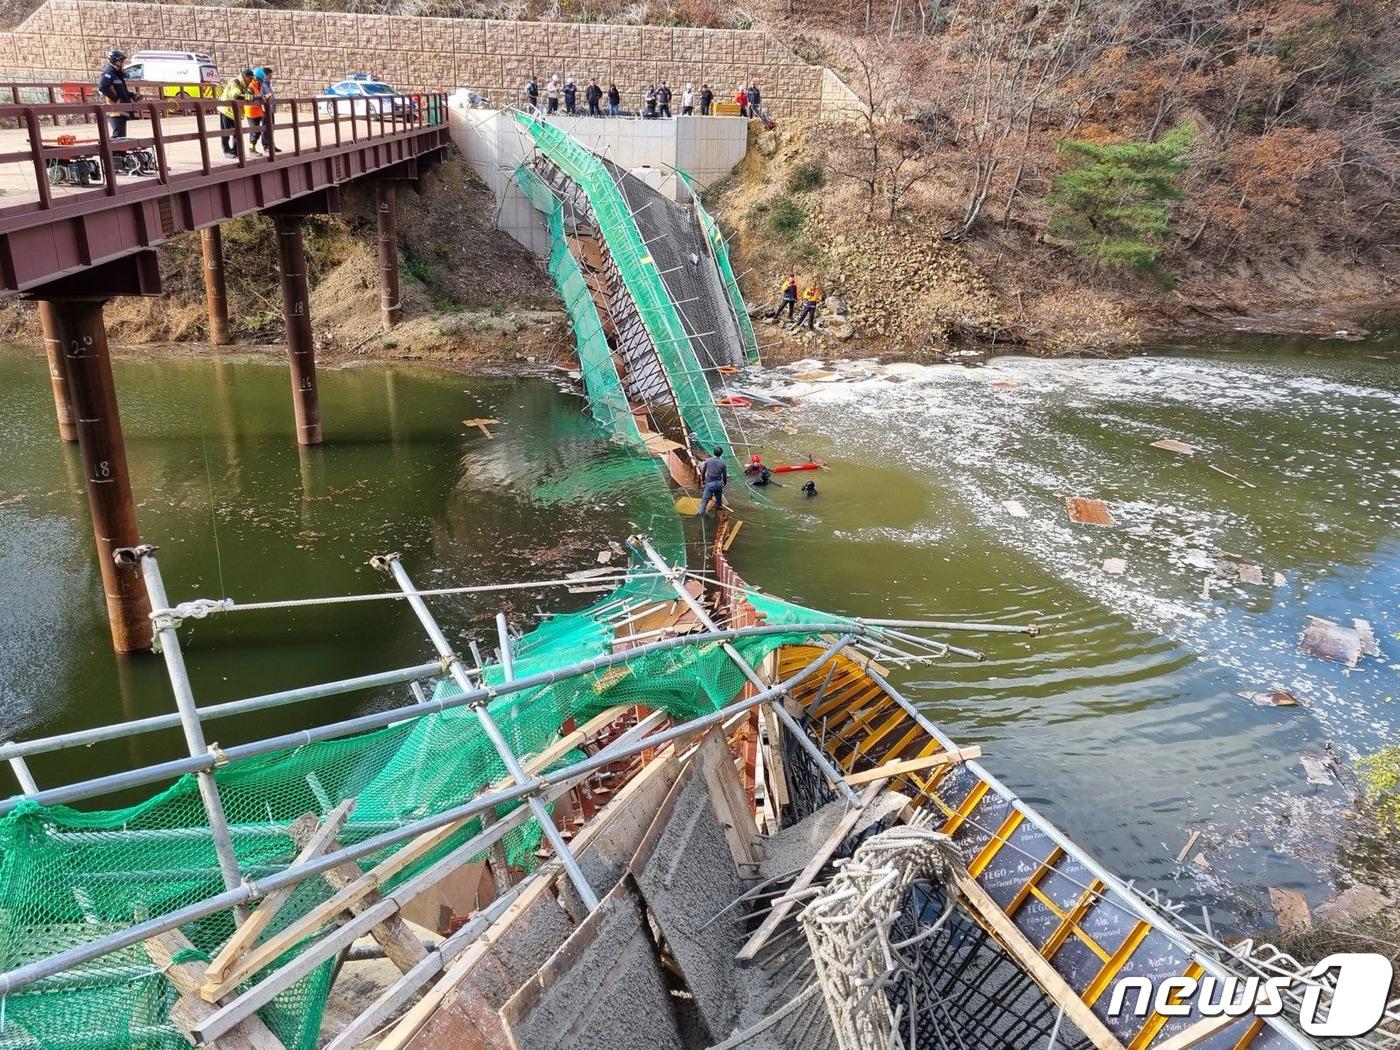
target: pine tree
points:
(1114, 203)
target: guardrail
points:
(68, 144)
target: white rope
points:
(848, 930)
(202, 607)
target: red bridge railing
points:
(66, 148)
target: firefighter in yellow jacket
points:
(811, 296)
(238, 89)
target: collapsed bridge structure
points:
(704, 816)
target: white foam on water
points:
(1031, 432)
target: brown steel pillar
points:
(89, 373)
(211, 246)
(296, 310)
(53, 347)
(388, 214)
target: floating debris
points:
(1186, 849)
(1088, 511)
(1290, 909)
(482, 424)
(1014, 508)
(1251, 574)
(1343, 645)
(1318, 768)
(1280, 580)
(604, 557)
(1232, 477)
(1114, 566)
(1172, 445)
(1273, 698)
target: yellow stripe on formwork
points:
(979, 863)
(851, 701)
(1116, 962)
(974, 796)
(1250, 1034)
(1046, 866)
(1156, 1022)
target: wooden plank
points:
(728, 799)
(1198, 1032)
(814, 866)
(188, 978)
(401, 946)
(247, 935)
(1173, 445)
(605, 823)
(1045, 975)
(892, 769)
(1088, 511)
(344, 898)
(483, 425)
(731, 534)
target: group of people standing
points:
(657, 100)
(787, 300)
(252, 87)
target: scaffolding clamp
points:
(130, 557)
(383, 561)
(219, 754)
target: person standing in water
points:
(714, 475)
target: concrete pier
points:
(387, 212)
(88, 372)
(211, 246)
(296, 311)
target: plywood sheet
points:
(1088, 511)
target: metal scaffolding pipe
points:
(954, 625)
(58, 377)
(296, 312)
(88, 369)
(189, 722)
(22, 976)
(387, 216)
(458, 671)
(86, 737)
(173, 768)
(211, 250)
(818, 756)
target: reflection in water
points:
(1124, 720)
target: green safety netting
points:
(607, 401)
(726, 271)
(644, 285)
(67, 876)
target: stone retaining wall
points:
(68, 40)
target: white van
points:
(194, 73)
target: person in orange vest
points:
(238, 89)
(811, 296)
(254, 112)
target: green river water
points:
(1124, 721)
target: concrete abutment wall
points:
(68, 40)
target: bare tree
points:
(888, 149)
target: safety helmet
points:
(116, 55)
(755, 459)
(249, 73)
